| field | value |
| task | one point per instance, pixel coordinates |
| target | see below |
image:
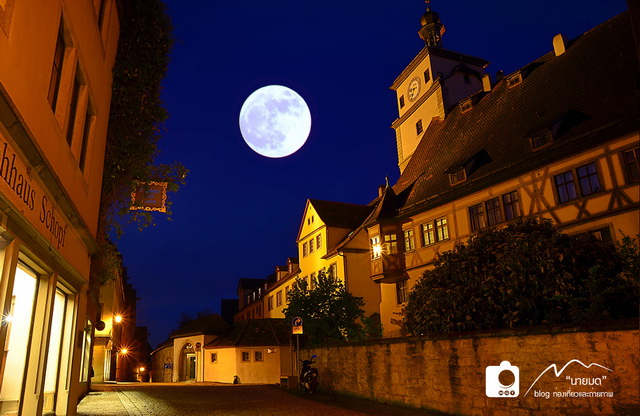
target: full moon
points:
(275, 121)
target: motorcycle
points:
(308, 376)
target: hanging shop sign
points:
(149, 196)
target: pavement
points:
(217, 399)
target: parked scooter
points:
(308, 376)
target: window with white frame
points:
(409, 243)
(376, 249)
(391, 243)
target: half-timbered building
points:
(556, 139)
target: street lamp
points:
(117, 318)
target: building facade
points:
(557, 139)
(330, 239)
(55, 90)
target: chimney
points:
(486, 83)
(499, 75)
(559, 44)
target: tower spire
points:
(432, 28)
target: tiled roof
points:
(585, 96)
(255, 332)
(206, 325)
(250, 284)
(340, 214)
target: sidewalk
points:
(103, 400)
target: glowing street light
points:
(124, 351)
(118, 318)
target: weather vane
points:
(428, 5)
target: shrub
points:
(528, 273)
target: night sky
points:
(239, 213)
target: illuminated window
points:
(442, 229)
(428, 235)
(391, 243)
(376, 249)
(409, 243)
(434, 231)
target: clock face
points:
(414, 89)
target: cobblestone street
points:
(210, 399)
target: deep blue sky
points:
(239, 213)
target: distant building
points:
(330, 239)
(55, 91)
(253, 351)
(556, 139)
(182, 357)
(120, 347)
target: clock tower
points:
(433, 81)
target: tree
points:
(528, 273)
(135, 123)
(329, 312)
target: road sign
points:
(296, 324)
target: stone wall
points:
(162, 364)
(449, 373)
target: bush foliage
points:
(528, 273)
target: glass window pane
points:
(18, 333)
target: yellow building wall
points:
(35, 140)
(614, 207)
(275, 363)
